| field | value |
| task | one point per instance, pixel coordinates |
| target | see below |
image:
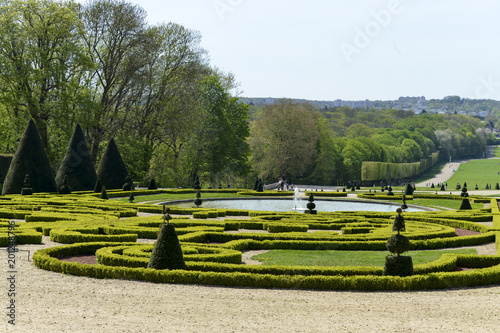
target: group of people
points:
(283, 184)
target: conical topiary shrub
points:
(152, 185)
(30, 159)
(5, 160)
(77, 165)
(397, 264)
(167, 252)
(112, 170)
(104, 193)
(98, 186)
(465, 205)
(196, 184)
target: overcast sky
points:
(347, 49)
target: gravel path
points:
(53, 302)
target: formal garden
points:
(120, 239)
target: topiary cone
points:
(112, 170)
(167, 252)
(152, 185)
(30, 158)
(77, 164)
(98, 186)
(104, 193)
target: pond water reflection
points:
(286, 205)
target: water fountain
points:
(297, 201)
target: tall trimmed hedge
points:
(30, 158)
(112, 171)
(371, 171)
(77, 164)
(5, 160)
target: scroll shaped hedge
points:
(487, 272)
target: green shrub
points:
(282, 227)
(47, 259)
(200, 215)
(77, 164)
(112, 171)
(30, 159)
(326, 194)
(167, 253)
(398, 265)
(77, 235)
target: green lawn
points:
(172, 197)
(480, 172)
(346, 258)
(437, 203)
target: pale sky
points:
(347, 49)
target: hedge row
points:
(121, 193)
(157, 209)
(382, 196)
(21, 237)
(69, 236)
(46, 259)
(494, 207)
(326, 194)
(285, 227)
(266, 193)
(371, 171)
(375, 245)
(113, 256)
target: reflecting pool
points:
(286, 205)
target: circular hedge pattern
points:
(212, 247)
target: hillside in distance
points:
(449, 104)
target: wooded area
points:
(174, 116)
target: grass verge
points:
(346, 258)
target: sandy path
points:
(450, 168)
(445, 174)
(53, 302)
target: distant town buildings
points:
(417, 104)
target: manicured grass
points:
(480, 172)
(185, 196)
(437, 203)
(346, 258)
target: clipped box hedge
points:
(47, 259)
(69, 236)
(330, 194)
(285, 227)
